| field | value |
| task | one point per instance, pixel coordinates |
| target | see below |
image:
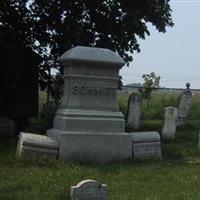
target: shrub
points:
(154, 109)
(44, 120)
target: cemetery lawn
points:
(177, 176)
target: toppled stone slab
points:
(88, 190)
(146, 145)
(35, 146)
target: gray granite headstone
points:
(169, 125)
(134, 111)
(88, 190)
(185, 100)
(88, 125)
(90, 91)
(7, 127)
(36, 146)
(146, 145)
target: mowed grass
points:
(177, 176)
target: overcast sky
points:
(175, 55)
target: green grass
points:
(177, 176)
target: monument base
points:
(98, 147)
(88, 120)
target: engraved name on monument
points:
(86, 90)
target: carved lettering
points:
(90, 91)
(75, 89)
(84, 90)
(97, 91)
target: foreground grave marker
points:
(88, 190)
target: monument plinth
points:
(88, 125)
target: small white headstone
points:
(169, 125)
(88, 190)
(35, 146)
(134, 111)
(185, 100)
(146, 145)
(7, 127)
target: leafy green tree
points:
(50, 27)
(151, 82)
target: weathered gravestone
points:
(7, 127)
(169, 125)
(185, 99)
(134, 111)
(88, 190)
(88, 125)
(36, 146)
(146, 145)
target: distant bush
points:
(44, 120)
(155, 108)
